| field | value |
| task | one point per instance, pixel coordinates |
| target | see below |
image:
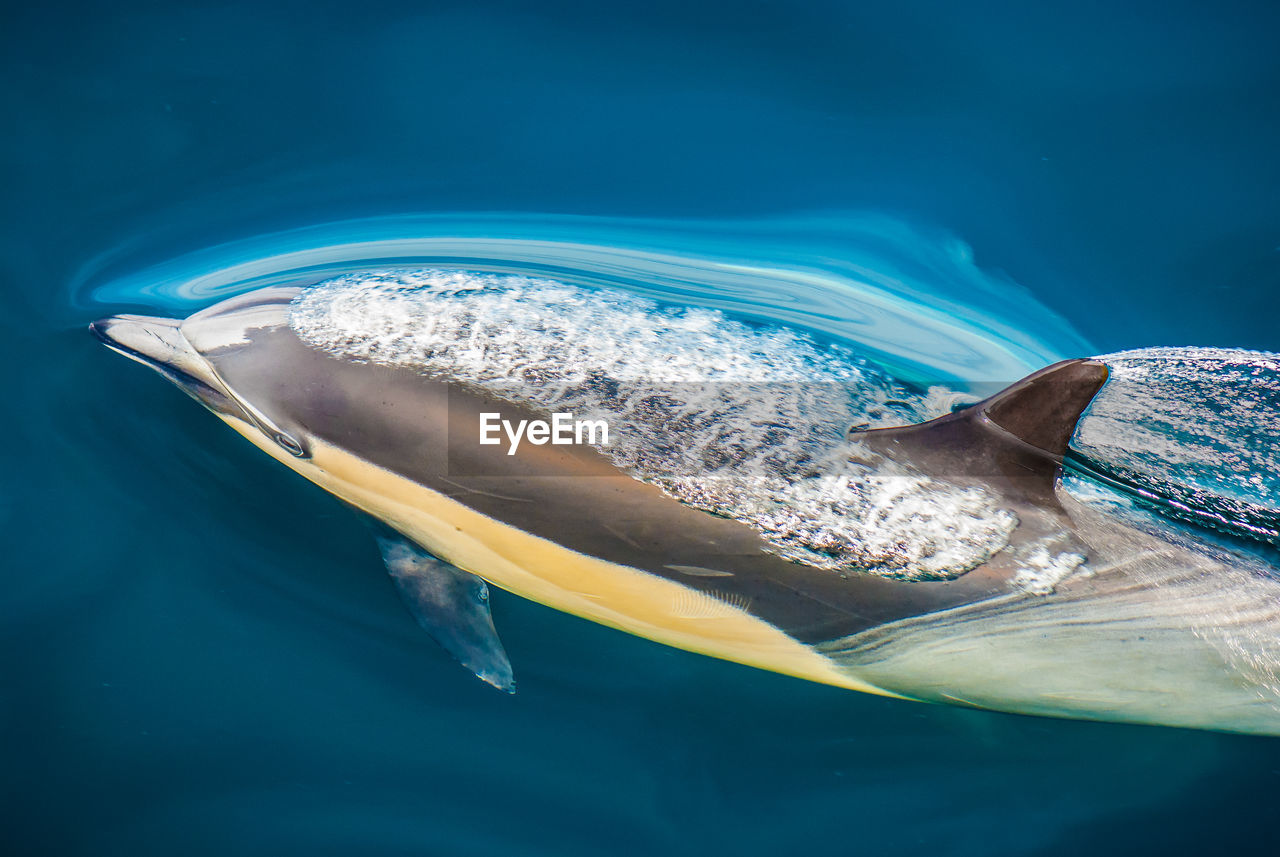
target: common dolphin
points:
(975, 572)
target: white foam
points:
(746, 421)
(1042, 571)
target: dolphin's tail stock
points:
(1151, 622)
(1153, 631)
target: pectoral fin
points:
(451, 605)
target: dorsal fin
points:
(1010, 445)
(1020, 431)
(1042, 409)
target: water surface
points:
(201, 652)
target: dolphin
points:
(1000, 579)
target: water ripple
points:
(911, 300)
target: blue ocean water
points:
(202, 654)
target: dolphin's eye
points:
(290, 445)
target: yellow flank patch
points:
(541, 570)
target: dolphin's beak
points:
(159, 344)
